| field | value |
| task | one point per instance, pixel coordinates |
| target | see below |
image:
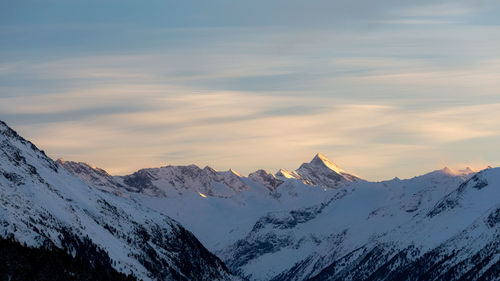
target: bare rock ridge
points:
(266, 179)
(163, 181)
(98, 177)
(170, 180)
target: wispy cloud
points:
(230, 130)
(436, 9)
(419, 21)
(261, 89)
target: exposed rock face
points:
(163, 181)
(266, 179)
(323, 172)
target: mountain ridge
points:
(315, 223)
(42, 204)
(305, 173)
(331, 175)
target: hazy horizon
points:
(384, 89)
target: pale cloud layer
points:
(393, 89)
(245, 132)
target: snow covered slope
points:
(458, 238)
(321, 223)
(296, 244)
(223, 201)
(43, 204)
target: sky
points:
(383, 88)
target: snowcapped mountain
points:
(323, 172)
(265, 179)
(321, 223)
(300, 243)
(223, 201)
(320, 171)
(315, 223)
(98, 177)
(42, 204)
(456, 238)
(171, 181)
(163, 181)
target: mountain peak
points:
(71, 165)
(285, 174)
(266, 179)
(461, 172)
(322, 160)
(322, 171)
(234, 173)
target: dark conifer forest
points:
(19, 262)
